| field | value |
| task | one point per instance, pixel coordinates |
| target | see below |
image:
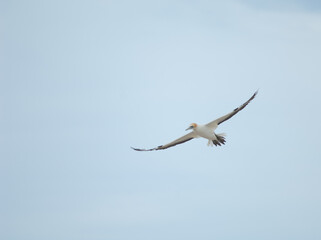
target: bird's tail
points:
(220, 139)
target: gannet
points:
(205, 131)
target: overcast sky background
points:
(82, 81)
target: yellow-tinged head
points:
(191, 126)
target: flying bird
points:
(205, 131)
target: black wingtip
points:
(256, 92)
(251, 98)
(254, 95)
(136, 149)
(143, 150)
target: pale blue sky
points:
(82, 81)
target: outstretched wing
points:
(180, 140)
(218, 121)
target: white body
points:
(205, 132)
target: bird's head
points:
(191, 126)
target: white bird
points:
(205, 131)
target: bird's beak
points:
(190, 127)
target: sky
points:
(83, 81)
